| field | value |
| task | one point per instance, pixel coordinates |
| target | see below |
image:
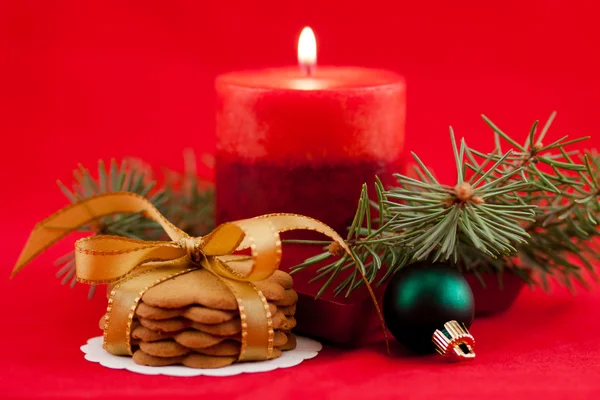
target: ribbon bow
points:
(133, 266)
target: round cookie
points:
(195, 360)
(141, 358)
(282, 278)
(196, 339)
(164, 348)
(288, 311)
(149, 312)
(290, 298)
(225, 348)
(165, 325)
(207, 315)
(280, 339)
(288, 324)
(196, 287)
(271, 290)
(225, 329)
(147, 335)
(291, 342)
(192, 360)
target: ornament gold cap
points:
(454, 342)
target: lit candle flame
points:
(307, 51)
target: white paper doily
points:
(305, 349)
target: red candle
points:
(304, 140)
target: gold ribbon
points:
(133, 266)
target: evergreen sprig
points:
(184, 199)
(533, 208)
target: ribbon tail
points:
(287, 222)
(378, 309)
(76, 215)
(50, 231)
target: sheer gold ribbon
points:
(133, 266)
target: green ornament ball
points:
(422, 298)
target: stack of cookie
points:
(193, 320)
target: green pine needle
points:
(532, 211)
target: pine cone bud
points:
(477, 200)
(463, 191)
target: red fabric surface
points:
(84, 80)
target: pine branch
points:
(566, 198)
(531, 208)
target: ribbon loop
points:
(107, 259)
(224, 239)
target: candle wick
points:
(309, 69)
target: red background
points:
(86, 80)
